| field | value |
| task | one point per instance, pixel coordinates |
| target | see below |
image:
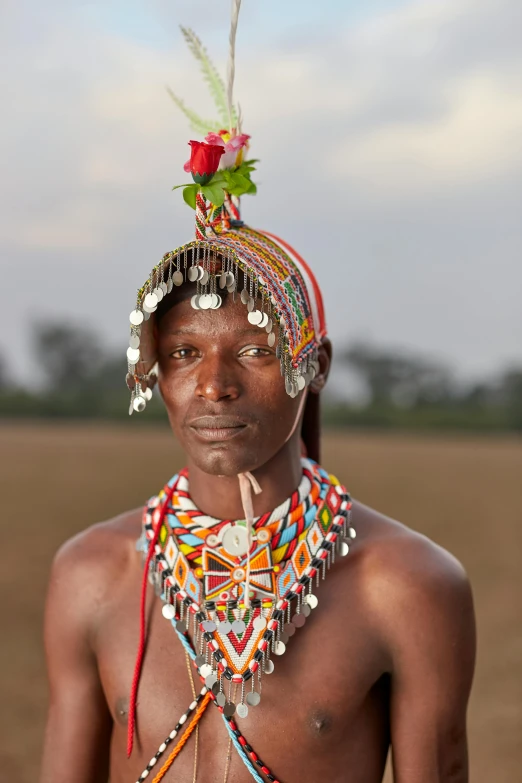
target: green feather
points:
(211, 76)
(197, 124)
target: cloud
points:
(386, 143)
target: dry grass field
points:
(464, 493)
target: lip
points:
(217, 428)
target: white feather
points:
(231, 70)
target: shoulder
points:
(415, 591)
(91, 565)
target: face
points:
(222, 387)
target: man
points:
(241, 547)
(388, 656)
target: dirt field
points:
(466, 494)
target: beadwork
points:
(329, 531)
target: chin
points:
(223, 461)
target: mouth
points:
(217, 428)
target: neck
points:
(219, 496)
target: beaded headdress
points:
(272, 280)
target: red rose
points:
(204, 160)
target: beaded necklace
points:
(231, 640)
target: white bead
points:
(173, 734)
(193, 705)
(352, 532)
(183, 719)
(144, 774)
(168, 611)
(162, 747)
(152, 761)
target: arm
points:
(78, 729)
(430, 638)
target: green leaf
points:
(187, 185)
(214, 192)
(252, 190)
(189, 195)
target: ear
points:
(325, 360)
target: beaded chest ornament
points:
(229, 641)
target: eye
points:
(182, 353)
(255, 351)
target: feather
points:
(197, 124)
(210, 74)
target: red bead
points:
(242, 740)
(254, 756)
(265, 770)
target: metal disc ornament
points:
(251, 305)
(199, 660)
(253, 698)
(254, 317)
(205, 670)
(169, 286)
(210, 681)
(271, 339)
(280, 648)
(204, 277)
(259, 623)
(219, 302)
(194, 301)
(230, 280)
(224, 628)
(298, 620)
(306, 610)
(312, 600)
(136, 317)
(289, 629)
(181, 626)
(151, 301)
(133, 355)
(205, 301)
(177, 277)
(269, 326)
(159, 293)
(221, 700)
(269, 666)
(238, 626)
(209, 626)
(134, 341)
(229, 709)
(344, 549)
(163, 287)
(223, 280)
(244, 296)
(168, 612)
(235, 540)
(242, 710)
(192, 274)
(264, 320)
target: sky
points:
(390, 143)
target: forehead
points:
(177, 315)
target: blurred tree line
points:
(81, 379)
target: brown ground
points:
(465, 493)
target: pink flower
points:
(233, 145)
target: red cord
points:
(141, 646)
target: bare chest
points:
(323, 707)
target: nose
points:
(217, 380)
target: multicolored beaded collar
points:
(229, 641)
